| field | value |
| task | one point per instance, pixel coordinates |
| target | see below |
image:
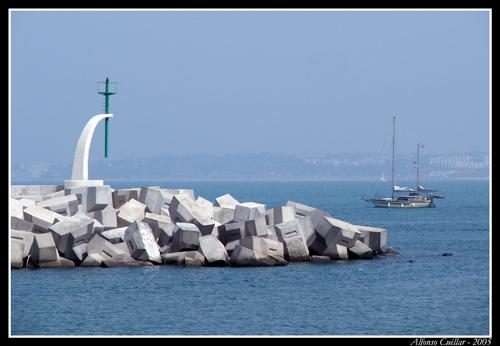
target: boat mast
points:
(393, 150)
(418, 158)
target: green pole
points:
(106, 110)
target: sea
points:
(419, 293)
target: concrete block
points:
(129, 212)
(271, 233)
(65, 205)
(122, 196)
(99, 197)
(231, 245)
(40, 190)
(337, 231)
(214, 251)
(154, 199)
(106, 218)
(223, 215)
(375, 238)
(245, 257)
(186, 237)
(307, 229)
(184, 209)
(21, 225)
(226, 201)
(360, 251)
(16, 253)
(71, 232)
(157, 223)
(164, 212)
(99, 245)
(141, 242)
(206, 205)
(283, 214)
(53, 195)
(92, 260)
(256, 227)
(320, 259)
(79, 252)
(192, 259)
(42, 218)
(15, 208)
(115, 235)
(269, 217)
(43, 249)
(166, 234)
(264, 247)
(294, 244)
(231, 231)
(336, 252)
(249, 211)
(60, 262)
(25, 237)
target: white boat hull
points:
(398, 204)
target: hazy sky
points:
(249, 82)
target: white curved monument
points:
(80, 173)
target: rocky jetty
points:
(104, 227)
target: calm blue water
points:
(433, 295)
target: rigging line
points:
(376, 180)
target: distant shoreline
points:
(54, 181)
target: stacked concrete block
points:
(99, 197)
(141, 242)
(129, 212)
(231, 231)
(16, 253)
(375, 238)
(245, 257)
(186, 237)
(269, 215)
(21, 225)
(184, 209)
(164, 212)
(34, 192)
(337, 231)
(264, 247)
(122, 196)
(256, 227)
(103, 253)
(249, 211)
(53, 195)
(43, 249)
(307, 229)
(106, 218)
(291, 235)
(320, 259)
(271, 233)
(166, 234)
(65, 205)
(70, 233)
(15, 208)
(206, 205)
(283, 214)
(25, 237)
(223, 215)
(226, 201)
(360, 251)
(154, 199)
(193, 259)
(60, 262)
(185, 258)
(115, 235)
(231, 245)
(213, 250)
(42, 218)
(336, 252)
(158, 223)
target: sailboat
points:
(419, 197)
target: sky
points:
(224, 82)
